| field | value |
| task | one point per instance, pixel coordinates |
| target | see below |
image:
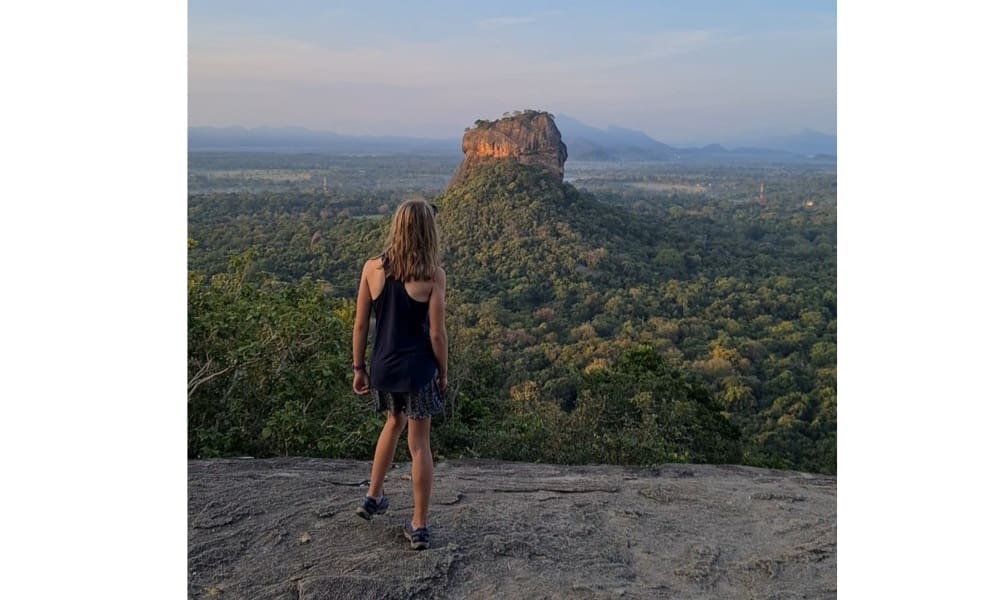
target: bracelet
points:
(360, 367)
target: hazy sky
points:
(688, 72)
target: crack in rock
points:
(555, 490)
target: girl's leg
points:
(419, 438)
(385, 450)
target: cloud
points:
(282, 61)
(292, 81)
(687, 80)
(671, 43)
(498, 22)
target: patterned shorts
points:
(416, 405)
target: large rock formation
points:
(286, 528)
(530, 137)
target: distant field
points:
(250, 172)
(669, 187)
(259, 174)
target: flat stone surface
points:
(286, 528)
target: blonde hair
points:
(411, 251)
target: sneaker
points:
(420, 538)
(370, 507)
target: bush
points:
(266, 369)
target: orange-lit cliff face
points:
(531, 138)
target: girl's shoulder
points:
(373, 264)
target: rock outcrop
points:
(286, 528)
(530, 137)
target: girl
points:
(405, 288)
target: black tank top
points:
(402, 356)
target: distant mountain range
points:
(584, 142)
(617, 143)
(806, 142)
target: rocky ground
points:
(286, 529)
